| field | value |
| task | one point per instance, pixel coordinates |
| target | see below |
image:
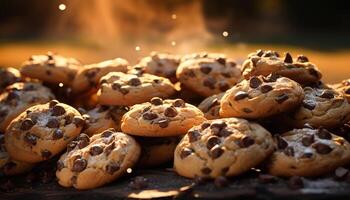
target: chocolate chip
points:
(139, 183)
(78, 121)
(295, 182)
(289, 151)
(149, 116)
(307, 155)
(134, 82)
(112, 167)
(267, 178)
(68, 119)
(247, 141)
(324, 134)
(205, 69)
(224, 132)
(193, 135)
(281, 143)
(322, 148)
(170, 112)
(240, 95)
(307, 140)
(220, 182)
(310, 105)
(327, 94)
(212, 141)
(206, 170)
(46, 154)
(260, 53)
(185, 152)
(156, 101)
(107, 133)
(71, 145)
(179, 103)
(57, 134)
(271, 78)
(347, 91)
(53, 123)
(288, 58)
(58, 110)
(96, 150)
(79, 165)
(209, 82)
(216, 152)
(53, 103)
(190, 73)
(116, 86)
(205, 125)
(223, 86)
(340, 173)
(254, 82)
(302, 59)
(30, 138)
(27, 124)
(221, 60)
(281, 98)
(163, 123)
(266, 88)
(313, 72)
(83, 140)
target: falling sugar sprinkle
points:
(129, 170)
(138, 48)
(225, 33)
(62, 7)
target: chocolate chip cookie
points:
(18, 97)
(211, 106)
(42, 131)
(320, 107)
(343, 88)
(8, 76)
(51, 68)
(8, 166)
(160, 64)
(268, 62)
(209, 76)
(117, 88)
(308, 152)
(222, 147)
(102, 118)
(96, 161)
(261, 97)
(161, 118)
(89, 76)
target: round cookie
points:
(118, 88)
(161, 118)
(343, 88)
(8, 76)
(208, 76)
(96, 161)
(18, 97)
(320, 107)
(270, 62)
(222, 147)
(102, 118)
(156, 151)
(8, 166)
(308, 152)
(42, 131)
(88, 77)
(261, 97)
(51, 68)
(159, 64)
(211, 106)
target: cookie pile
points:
(206, 113)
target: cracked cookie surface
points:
(222, 147)
(261, 97)
(18, 97)
(270, 62)
(117, 88)
(161, 118)
(96, 161)
(308, 152)
(51, 68)
(42, 131)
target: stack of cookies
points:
(205, 113)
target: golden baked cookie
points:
(222, 147)
(118, 88)
(51, 68)
(308, 152)
(18, 97)
(343, 87)
(270, 62)
(208, 76)
(261, 97)
(96, 161)
(161, 118)
(211, 106)
(42, 131)
(88, 76)
(8, 76)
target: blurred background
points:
(94, 30)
